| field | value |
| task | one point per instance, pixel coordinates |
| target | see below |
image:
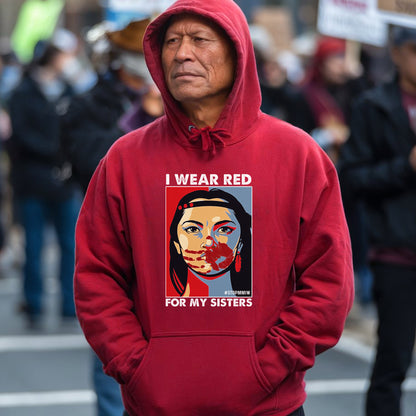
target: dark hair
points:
(400, 35)
(44, 54)
(178, 269)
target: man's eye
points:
(171, 41)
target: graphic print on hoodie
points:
(209, 244)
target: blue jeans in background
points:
(35, 214)
(108, 392)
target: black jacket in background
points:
(288, 103)
(374, 166)
(90, 126)
(35, 151)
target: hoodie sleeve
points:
(314, 317)
(104, 274)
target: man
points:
(378, 165)
(244, 352)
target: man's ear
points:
(178, 247)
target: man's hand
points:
(412, 158)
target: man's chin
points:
(188, 92)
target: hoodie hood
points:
(242, 109)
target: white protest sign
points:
(356, 20)
(400, 12)
(121, 12)
(140, 6)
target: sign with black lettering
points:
(355, 20)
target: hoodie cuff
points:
(122, 369)
(274, 365)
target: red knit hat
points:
(328, 46)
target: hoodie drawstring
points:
(210, 138)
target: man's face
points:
(404, 57)
(198, 61)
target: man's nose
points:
(185, 50)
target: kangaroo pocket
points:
(198, 375)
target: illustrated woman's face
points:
(209, 238)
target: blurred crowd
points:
(61, 111)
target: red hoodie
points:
(212, 266)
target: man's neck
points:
(203, 114)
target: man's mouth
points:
(185, 75)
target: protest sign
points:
(121, 12)
(400, 12)
(355, 20)
(37, 20)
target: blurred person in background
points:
(123, 99)
(11, 70)
(5, 133)
(5, 125)
(281, 98)
(40, 178)
(10, 75)
(378, 165)
(330, 89)
(78, 70)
